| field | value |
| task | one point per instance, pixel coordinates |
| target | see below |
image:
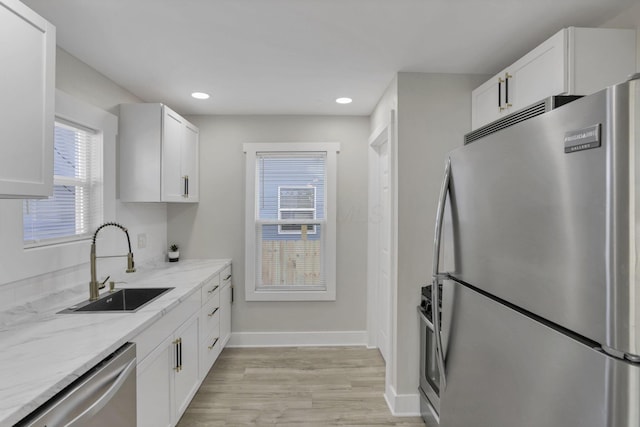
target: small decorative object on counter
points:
(174, 253)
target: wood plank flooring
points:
(294, 386)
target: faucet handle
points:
(102, 285)
(130, 263)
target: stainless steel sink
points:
(124, 300)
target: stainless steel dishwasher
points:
(103, 397)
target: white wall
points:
(214, 228)
(630, 18)
(83, 82)
(20, 276)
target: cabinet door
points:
(173, 183)
(540, 73)
(27, 88)
(155, 377)
(189, 160)
(186, 377)
(225, 314)
(486, 102)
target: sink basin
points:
(123, 300)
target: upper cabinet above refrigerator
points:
(574, 61)
(158, 155)
(27, 91)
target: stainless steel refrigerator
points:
(539, 262)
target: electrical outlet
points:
(142, 240)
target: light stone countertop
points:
(42, 352)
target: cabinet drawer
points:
(210, 350)
(149, 339)
(210, 317)
(211, 288)
(225, 276)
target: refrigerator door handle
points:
(444, 190)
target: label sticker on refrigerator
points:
(582, 139)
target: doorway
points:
(381, 301)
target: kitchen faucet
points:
(94, 284)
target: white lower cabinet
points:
(154, 387)
(225, 310)
(176, 353)
(186, 365)
(215, 319)
(168, 377)
(210, 321)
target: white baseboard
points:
(298, 339)
(402, 405)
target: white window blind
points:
(290, 215)
(75, 208)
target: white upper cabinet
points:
(158, 155)
(575, 61)
(27, 91)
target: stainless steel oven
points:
(429, 373)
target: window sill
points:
(290, 295)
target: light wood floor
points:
(301, 386)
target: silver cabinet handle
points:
(213, 290)
(82, 419)
(227, 278)
(213, 312)
(435, 288)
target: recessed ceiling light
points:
(344, 100)
(200, 95)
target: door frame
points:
(384, 134)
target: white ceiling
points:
(297, 56)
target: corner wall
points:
(83, 82)
(19, 280)
(630, 18)
(433, 114)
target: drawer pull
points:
(213, 290)
(227, 278)
(214, 344)
(213, 312)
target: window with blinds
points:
(290, 221)
(291, 204)
(75, 208)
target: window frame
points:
(329, 248)
(96, 186)
(68, 257)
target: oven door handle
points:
(435, 288)
(81, 419)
